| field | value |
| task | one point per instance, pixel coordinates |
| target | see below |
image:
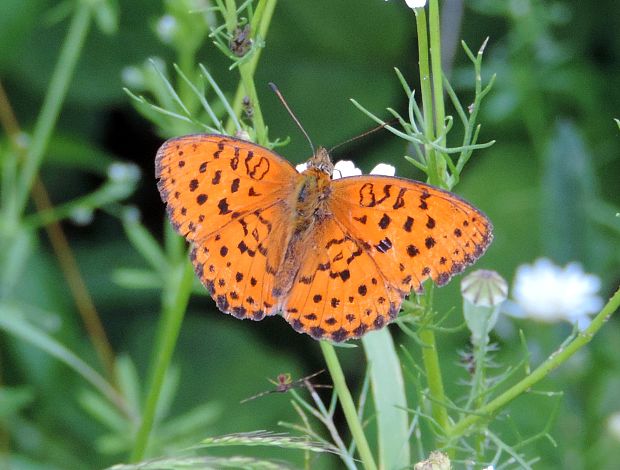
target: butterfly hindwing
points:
(238, 263)
(339, 292)
(411, 230)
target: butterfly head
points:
(321, 161)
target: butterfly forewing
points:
(209, 180)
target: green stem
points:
(175, 299)
(247, 79)
(437, 78)
(477, 389)
(437, 72)
(427, 95)
(555, 360)
(265, 9)
(348, 407)
(231, 16)
(430, 358)
(56, 93)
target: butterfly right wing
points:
(412, 230)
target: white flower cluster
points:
(549, 293)
(344, 168)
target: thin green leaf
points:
(388, 392)
(205, 463)
(265, 438)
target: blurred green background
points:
(549, 184)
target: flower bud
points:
(82, 215)
(166, 28)
(123, 173)
(483, 294)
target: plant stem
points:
(427, 96)
(553, 361)
(259, 27)
(56, 93)
(437, 78)
(430, 355)
(437, 73)
(434, 379)
(175, 299)
(477, 390)
(247, 79)
(348, 407)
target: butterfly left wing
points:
(238, 263)
(412, 231)
(208, 181)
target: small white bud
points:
(483, 294)
(166, 28)
(82, 216)
(133, 77)
(123, 172)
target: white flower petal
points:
(301, 167)
(344, 168)
(383, 169)
(415, 3)
(549, 293)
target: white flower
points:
(82, 216)
(344, 168)
(415, 3)
(243, 135)
(123, 172)
(166, 28)
(133, 77)
(484, 288)
(549, 293)
(613, 425)
(383, 169)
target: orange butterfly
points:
(336, 257)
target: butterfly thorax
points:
(312, 191)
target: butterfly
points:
(335, 256)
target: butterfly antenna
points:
(288, 108)
(364, 134)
